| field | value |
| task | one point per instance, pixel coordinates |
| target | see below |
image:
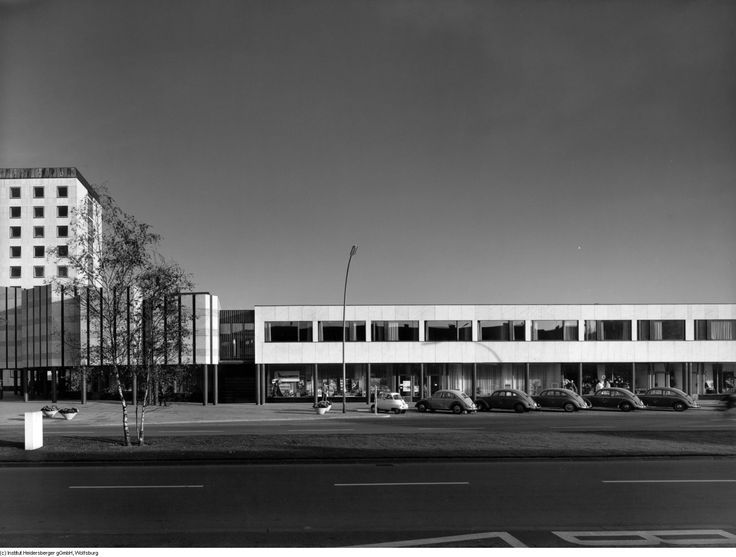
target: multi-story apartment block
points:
(36, 214)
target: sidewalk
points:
(109, 412)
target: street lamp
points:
(344, 298)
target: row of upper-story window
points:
(499, 330)
(39, 271)
(62, 231)
(39, 211)
(39, 192)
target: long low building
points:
(417, 349)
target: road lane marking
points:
(135, 486)
(505, 536)
(665, 481)
(320, 430)
(400, 483)
(648, 538)
(586, 427)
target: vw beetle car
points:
(390, 402)
(668, 397)
(615, 397)
(566, 399)
(507, 399)
(447, 399)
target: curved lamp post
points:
(344, 298)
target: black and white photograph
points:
(367, 276)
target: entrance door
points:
(407, 387)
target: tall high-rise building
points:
(36, 214)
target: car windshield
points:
(463, 395)
(396, 397)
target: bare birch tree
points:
(115, 277)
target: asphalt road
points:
(414, 422)
(668, 503)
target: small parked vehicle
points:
(669, 397)
(390, 402)
(507, 399)
(566, 399)
(455, 401)
(615, 397)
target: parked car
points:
(566, 399)
(447, 399)
(390, 402)
(668, 397)
(615, 397)
(507, 399)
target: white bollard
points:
(34, 430)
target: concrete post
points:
(54, 385)
(33, 430)
(84, 386)
(214, 384)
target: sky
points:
(477, 152)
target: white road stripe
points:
(134, 486)
(505, 536)
(401, 483)
(318, 430)
(664, 481)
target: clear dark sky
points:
(477, 152)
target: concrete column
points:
(258, 384)
(315, 382)
(475, 379)
(527, 378)
(84, 387)
(633, 377)
(422, 390)
(368, 386)
(263, 384)
(206, 385)
(54, 385)
(580, 378)
(214, 384)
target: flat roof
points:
(48, 172)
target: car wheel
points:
(679, 406)
(457, 409)
(395, 410)
(483, 407)
(569, 407)
(519, 408)
(422, 407)
(373, 408)
(403, 411)
(625, 407)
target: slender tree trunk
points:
(126, 427)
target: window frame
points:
(467, 326)
(13, 269)
(39, 271)
(59, 189)
(36, 190)
(12, 190)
